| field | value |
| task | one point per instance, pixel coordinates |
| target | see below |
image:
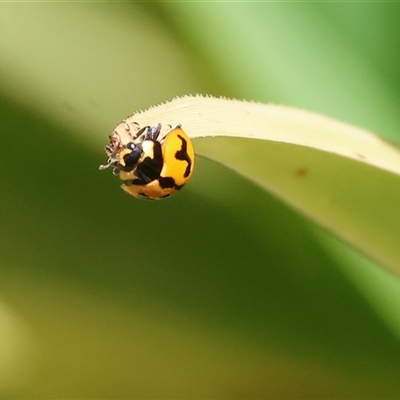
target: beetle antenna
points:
(104, 166)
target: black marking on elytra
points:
(146, 197)
(167, 182)
(182, 155)
(150, 168)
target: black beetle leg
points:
(153, 133)
(140, 132)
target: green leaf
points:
(221, 290)
(342, 177)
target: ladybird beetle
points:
(150, 167)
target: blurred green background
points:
(221, 291)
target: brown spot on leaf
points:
(302, 172)
(361, 156)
